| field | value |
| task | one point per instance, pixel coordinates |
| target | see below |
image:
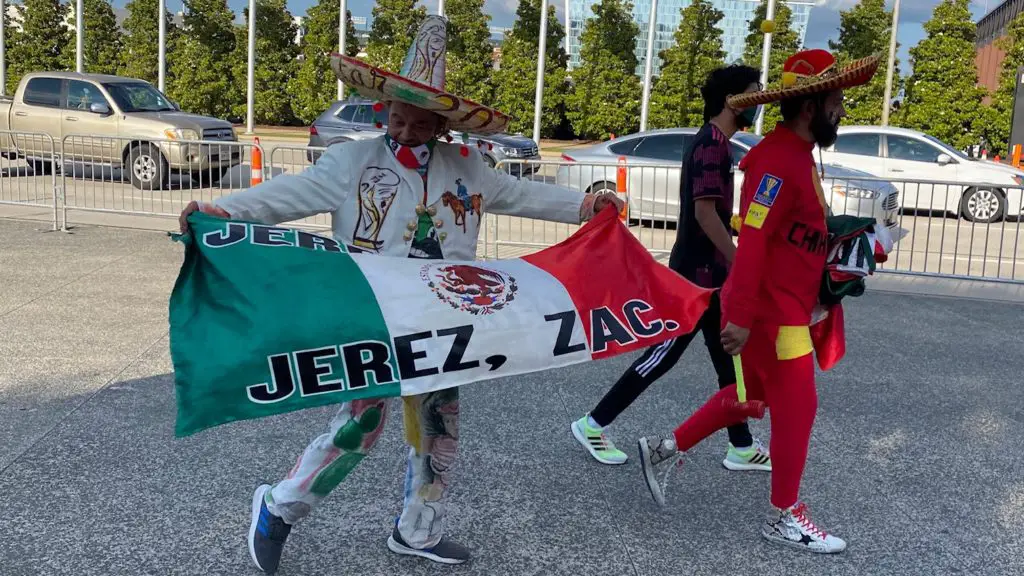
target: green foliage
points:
(864, 30)
(995, 123)
(140, 52)
(38, 47)
(516, 77)
(275, 64)
(315, 86)
(469, 50)
(102, 43)
(202, 64)
(785, 43)
(675, 97)
(942, 96)
(395, 23)
(605, 97)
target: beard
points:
(824, 129)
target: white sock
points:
(593, 423)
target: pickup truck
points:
(117, 121)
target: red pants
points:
(787, 388)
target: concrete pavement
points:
(913, 459)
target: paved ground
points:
(913, 460)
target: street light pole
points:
(440, 7)
(79, 38)
(566, 27)
(645, 103)
(541, 58)
(892, 63)
(342, 32)
(765, 61)
(162, 58)
(252, 67)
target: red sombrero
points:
(811, 72)
(421, 82)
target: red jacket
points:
(783, 242)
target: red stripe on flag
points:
(617, 286)
(829, 338)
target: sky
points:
(823, 25)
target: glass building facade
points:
(738, 14)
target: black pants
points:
(659, 359)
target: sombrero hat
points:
(421, 82)
(811, 72)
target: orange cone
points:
(620, 188)
(257, 164)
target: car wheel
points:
(147, 167)
(602, 188)
(983, 205)
(42, 167)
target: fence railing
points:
(950, 229)
(27, 177)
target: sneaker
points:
(793, 527)
(267, 533)
(657, 452)
(754, 457)
(446, 551)
(594, 440)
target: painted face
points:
(411, 126)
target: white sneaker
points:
(655, 453)
(793, 527)
(754, 457)
(597, 442)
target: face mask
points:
(823, 128)
(748, 117)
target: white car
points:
(653, 165)
(930, 174)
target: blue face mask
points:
(749, 116)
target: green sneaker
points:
(754, 457)
(594, 440)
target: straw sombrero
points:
(811, 72)
(421, 82)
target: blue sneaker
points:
(267, 533)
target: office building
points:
(734, 25)
(991, 28)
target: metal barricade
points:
(27, 175)
(286, 160)
(152, 176)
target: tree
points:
(38, 47)
(864, 30)
(605, 97)
(140, 56)
(995, 124)
(275, 64)
(942, 97)
(469, 50)
(395, 23)
(103, 39)
(202, 65)
(314, 87)
(515, 79)
(785, 43)
(675, 97)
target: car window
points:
(346, 113)
(903, 148)
(738, 152)
(82, 95)
(859, 144)
(668, 147)
(43, 92)
(364, 114)
(624, 147)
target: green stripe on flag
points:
(241, 351)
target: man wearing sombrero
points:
(771, 293)
(405, 194)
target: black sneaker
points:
(267, 533)
(446, 551)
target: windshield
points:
(748, 139)
(946, 147)
(138, 97)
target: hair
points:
(791, 107)
(724, 81)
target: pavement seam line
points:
(88, 398)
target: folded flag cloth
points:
(266, 320)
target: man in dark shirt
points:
(702, 253)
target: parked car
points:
(354, 119)
(954, 183)
(654, 192)
(63, 103)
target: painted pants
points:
(778, 368)
(432, 432)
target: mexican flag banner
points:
(266, 320)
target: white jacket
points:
(373, 199)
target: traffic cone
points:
(620, 189)
(1016, 155)
(256, 176)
